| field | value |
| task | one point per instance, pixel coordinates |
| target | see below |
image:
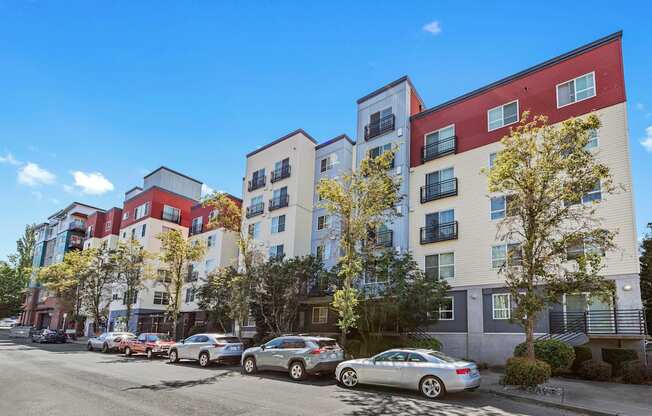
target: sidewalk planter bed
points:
(557, 354)
(595, 370)
(519, 371)
(582, 354)
(616, 357)
(634, 372)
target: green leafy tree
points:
(646, 276)
(15, 274)
(23, 258)
(132, 270)
(547, 172)
(101, 275)
(279, 284)
(177, 254)
(401, 300)
(218, 296)
(358, 202)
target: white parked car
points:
(108, 341)
(430, 372)
(8, 323)
(207, 348)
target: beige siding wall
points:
(477, 232)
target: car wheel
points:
(349, 378)
(297, 371)
(128, 352)
(432, 387)
(204, 359)
(149, 354)
(89, 347)
(173, 357)
(249, 365)
(105, 348)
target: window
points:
(440, 141)
(320, 315)
(446, 309)
(143, 230)
(503, 115)
(254, 230)
(108, 225)
(89, 231)
(134, 298)
(171, 213)
(501, 305)
(141, 211)
(276, 251)
(133, 233)
(578, 89)
(281, 165)
(324, 251)
(392, 356)
(210, 241)
(593, 140)
(499, 206)
(416, 358)
(213, 214)
(492, 159)
(323, 221)
(506, 254)
(256, 200)
(377, 151)
(593, 195)
(209, 265)
(325, 164)
(163, 276)
(440, 266)
(190, 294)
(115, 296)
(196, 226)
(161, 298)
(124, 234)
(278, 224)
(582, 248)
(125, 216)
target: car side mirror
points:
(262, 347)
(183, 341)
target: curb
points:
(571, 407)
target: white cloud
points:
(9, 159)
(33, 175)
(647, 140)
(93, 183)
(433, 27)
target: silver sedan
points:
(108, 341)
(430, 372)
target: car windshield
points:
(228, 340)
(327, 343)
(443, 357)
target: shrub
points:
(582, 354)
(557, 354)
(520, 371)
(634, 372)
(429, 344)
(617, 356)
(352, 347)
(595, 370)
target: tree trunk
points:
(529, 339)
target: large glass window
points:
(446, 309)
(501, 305)
(320, 315)
(141, 211)
(278, 224)
(440, 266)
(503, 115)
(171, 213)
(578, 89)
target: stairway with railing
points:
(576, 328)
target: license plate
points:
(233, 348)
(333, 355)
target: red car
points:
(150, 344)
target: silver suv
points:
(298, 355)
(207, 348)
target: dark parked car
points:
(48, 336)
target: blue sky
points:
(95, 94)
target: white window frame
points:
(321, 320)
(497, 211)
(210, 241)
(213, 214)
(439, 265)
(505, 259)
(595, 139)
(452, 309)
(176, 210)
(492, 159)
(502, 113)
(164, 298)
(329, 164)
(597, 191)
(575, 100)
(256, 228)
(197, 220)
(425, 136)
(141, 211)
(277, 219)
(508, 309)
(125, 215)
(326, 223)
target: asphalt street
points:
(53, 380)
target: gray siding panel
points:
(492, 325)
(459, 322)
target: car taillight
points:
(317, 351)
(218, 345)
(463, 371)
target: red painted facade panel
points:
(535, 91)
(415, 103)
(157, 198)
(203, 211)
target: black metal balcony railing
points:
(172, 217)
(385, 238)
(439, 232)
(628, 322)
(279, 202)
(379, 127)
(76, 225)
(256, 183)
(281, 173)
(441, 148)
(439, 190)
(196, 229)
(255, 209)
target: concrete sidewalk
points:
(594, 397)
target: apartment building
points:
(278, 191)
(453, 220)
(62, 232)
(103, 229)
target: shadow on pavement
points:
(285, 377)
(179, 384)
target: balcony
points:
(439, 232)
(196, 229)
(576, 328)
(379, 127)
(279, 174)
(255, 209)
(279, 202)
(438, 149)
(256, 183)
(174, 217)
(439, 190)
(385, 238)
(77, 225)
